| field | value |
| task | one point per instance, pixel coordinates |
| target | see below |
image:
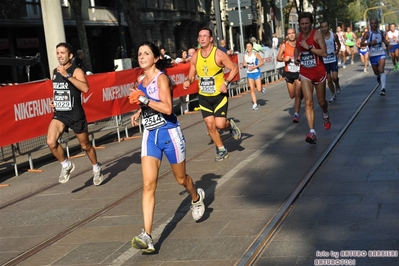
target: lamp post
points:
(370, 8)
(390, 12)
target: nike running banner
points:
(25, 108)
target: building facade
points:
(173, 23)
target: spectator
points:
(79, 59)
(275, 41)
(257, 47)
(223, 47)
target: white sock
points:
(312, 131)
(96, 167)
(222, 148)
(325, 115)
(65, 163)
(383, 77)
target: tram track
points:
(258, 246)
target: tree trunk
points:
(76, 6)
(131, 10)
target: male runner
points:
(69, 82)
(209, 63)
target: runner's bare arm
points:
(280, 53)
(192, 72)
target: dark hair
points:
(328, 24)
(208, 29)
(66, 45)
(161, 64)
(250, 44)
(306, 15)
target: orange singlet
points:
(290, 66)
(312, 66)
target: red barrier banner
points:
(25, 108)
(25, 111)
(108, 94)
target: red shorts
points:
(314, 76)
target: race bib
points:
(152, 119)
(377, 48)
(207, 85)
(292, 67)
(331, 58)
(62, 100)
(308, 60)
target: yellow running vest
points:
(211, 76)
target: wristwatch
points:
(227, 83)
(68, 76)
(144, 100)
(310, 47)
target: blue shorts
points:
(363, 51)
(374, 59)
(331, 67)
(393, 48)
(254, 76)
(170, 141)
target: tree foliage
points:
(11, 8)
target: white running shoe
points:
(235, 131)
(66, 173)
(332, 99)
(198, 208)
(254, 106)
(144, 242)
(98, 176)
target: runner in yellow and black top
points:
(208, 64)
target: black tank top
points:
(67, 98)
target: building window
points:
(105, 3)
(33, 8)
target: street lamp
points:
(390, 12)
(370, 8)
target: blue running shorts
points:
(254, 76)
(393, 48)
(374, 59)
(170, 141)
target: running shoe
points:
(144, 242)
(98, 176)
(263, 90)
(344, 66)
(235, 131)
(198, 208)
(311, 138)
(326, 122)
(254, 106)
(66, 173)
(352, 63)
(295, 119)
(382, 92)
(332, 99)
(338, 90)
(221, 155)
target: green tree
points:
(11, 8)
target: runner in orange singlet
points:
(286, 54)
